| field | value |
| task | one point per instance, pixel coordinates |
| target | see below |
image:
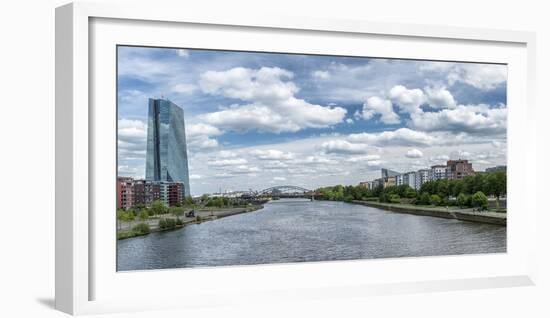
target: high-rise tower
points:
(166, 144)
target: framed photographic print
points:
(259, 158)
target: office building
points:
(166, 144)
(386, 173)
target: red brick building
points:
(125, 193)
(172, 193)
(145, 192)
(131, 193)
(458, 169)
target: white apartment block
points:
(421, 176)
(410, 179)
(438, 172)
(399, 179)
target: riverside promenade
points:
(441, 212)
(201, 215)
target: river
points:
(302, 231)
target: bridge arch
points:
(284, 189)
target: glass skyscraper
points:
(166, 144)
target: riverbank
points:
(448, 213)
(126, 230)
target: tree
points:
(143, 215)
(435, 199)
(409, 193)
(121, 217)
(158, 207)
(479, 200)
(424, 199)
(442, 188)
(176, 211)
(462, 200)
(125, 216)
(496, 185)
(428, 187)
(189, 200)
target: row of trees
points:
(489, 184)
(469, 191)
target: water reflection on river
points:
(296, 230)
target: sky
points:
(255, 120)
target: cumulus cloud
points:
(398, 137)
(460, 154)
(364, 158)
(199, 136)
(227, 154)
(408, 100)
(272, 154)
(322, 75)
(314, 160)
(414, 153)
(271, 102)
(376, 105)
(440, 97)
(343, 147)
(439, 158)
(481, 76)
(184, 88)
(473, 119)
(227, 162)
(243, 169)
(132, 138)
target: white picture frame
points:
(77, 178)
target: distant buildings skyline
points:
(454, 169)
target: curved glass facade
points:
(166, 144)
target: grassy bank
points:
(169, 222)
(454, 212)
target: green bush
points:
(424, 199)
(162, 224)
(158, 207)
(479, 200)
(141, 228)
(410, 193)
(167, 224)
(179, 222)
(462, 200)
(435, 199)
(143, 215)
(394, 198)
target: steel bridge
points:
(286, 191)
